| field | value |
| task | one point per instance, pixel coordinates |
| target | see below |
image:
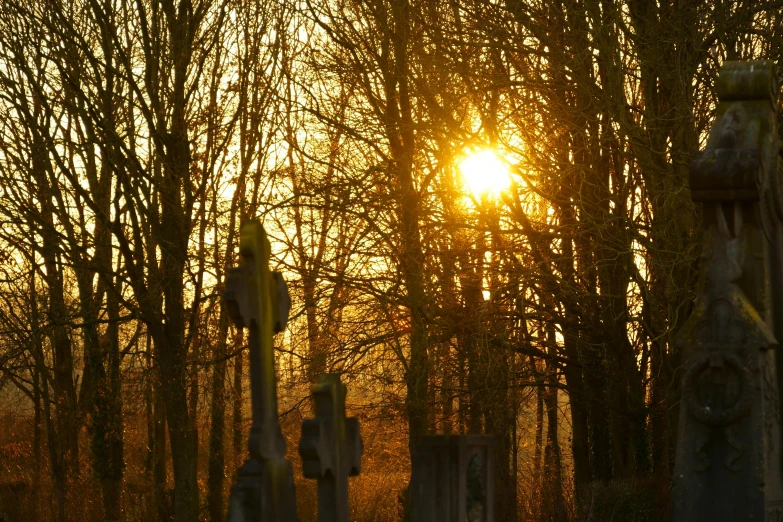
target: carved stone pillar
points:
(728, 461)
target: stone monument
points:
(257, 299)
(728, 460)
(331, 448)
(452, 479)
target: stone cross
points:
(331, 448)
(257, 299)
(452, 479)
(728, 459)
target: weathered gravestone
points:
(331, 448)
(452, 479)
(728, 461)
(257, 299)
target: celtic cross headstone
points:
(258, 300)
(331, 448)
(728, 460)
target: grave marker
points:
(258, 300)
(728, 461)
(331, 448)
(452, 479)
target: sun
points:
(485, 173)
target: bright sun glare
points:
(485, 173)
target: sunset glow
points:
(485, 173)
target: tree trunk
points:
(502, 402)
(471, 331)
(65, 399)
(401, 136)
(157, 441)
(35, 508)
(535, 494)
(216, 463)
(553, 503)
(238, 441)
(112, 485)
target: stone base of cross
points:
(264, 492)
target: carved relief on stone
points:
(718, 389)
(717, 385)
(727, 340)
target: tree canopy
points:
(481, 208)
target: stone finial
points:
(747, 81)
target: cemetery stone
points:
(452, 479)
(331, 448)
(728, 460)
(258, 300)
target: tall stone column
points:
(728, 461)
